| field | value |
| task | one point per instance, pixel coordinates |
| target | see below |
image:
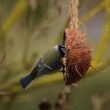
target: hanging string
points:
(73, 14)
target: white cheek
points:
(56, 47)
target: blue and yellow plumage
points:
(48, 63)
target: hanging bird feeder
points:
(77, 58)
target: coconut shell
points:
(77, 57)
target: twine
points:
(73, 14)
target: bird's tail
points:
(25, 81)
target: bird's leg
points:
(64, 68)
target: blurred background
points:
(28, 28)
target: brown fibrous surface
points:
(78, 56)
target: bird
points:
(48, 63)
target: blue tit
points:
(50, 62)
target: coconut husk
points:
(77, 58)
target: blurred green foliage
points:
(28, 28)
